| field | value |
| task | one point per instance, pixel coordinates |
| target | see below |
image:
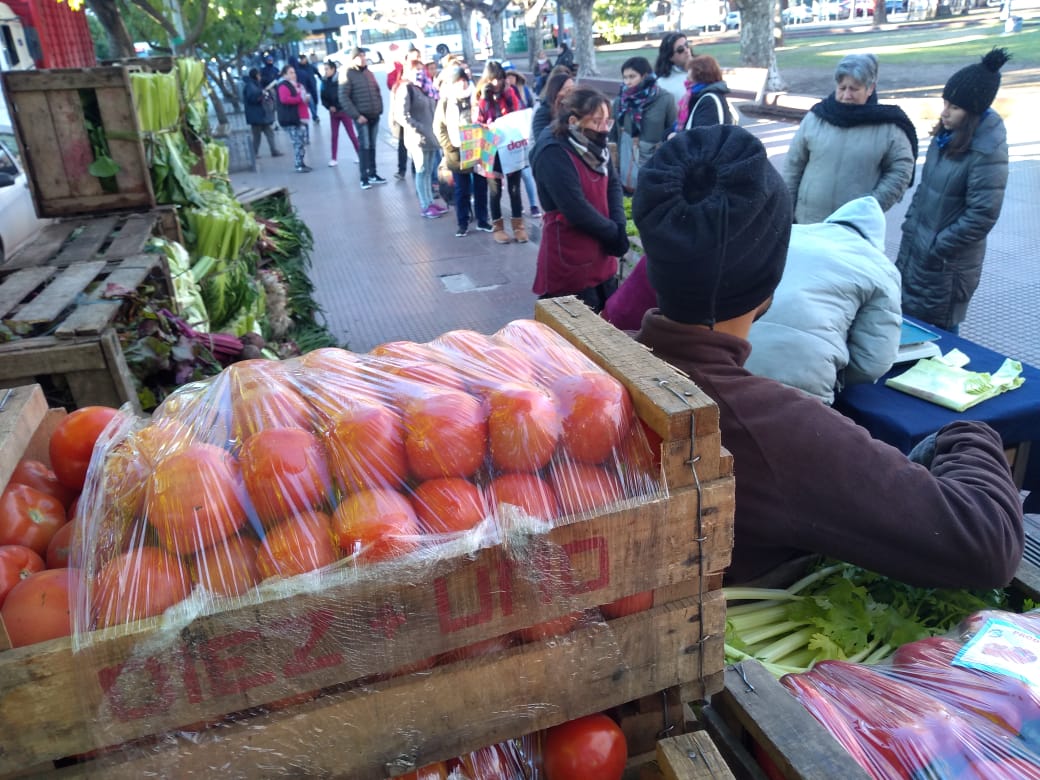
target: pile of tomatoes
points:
(36, 511)
(275, 469)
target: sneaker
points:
(399, 176)
(375, 178)
(366, 184)
(462, 231)
(432, 212)
(277, 154)
(535, 211)
(438, 208)
(303, 169)
(484, 227)
(333, 163)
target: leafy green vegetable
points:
(841, 611)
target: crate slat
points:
(691, 756)
(59, 294)
(96, 313)
(87, 242)
(42, 248)
(133, 234)
(15, 287)
(44, 169)
(63, 79)
(124, 143)
(19, 419)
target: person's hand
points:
(362, 120)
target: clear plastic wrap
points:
(263, 533)
(965, 706)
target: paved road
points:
(384, 273)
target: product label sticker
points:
(1003, 648)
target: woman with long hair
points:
(556, 88)
(414, 108)
(670, 68)
(849, 145)
(496, 99)
(958, 200)
(644, 115)
(293, 113)
(705, 100)
(583, 230)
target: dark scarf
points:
(871, 113)
(591, 153)
(635, 100)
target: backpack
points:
(288, 114)
(734, 117)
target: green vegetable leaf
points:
(103, 167)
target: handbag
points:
(718, 108)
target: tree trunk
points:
(498, 38)
(465, 21)
(119, 40)
(581, 40)
(533, 25)
(880, 13)
(757, 50)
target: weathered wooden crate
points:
(251, 195)
(50, 110)
(53, 291)
(354, 635)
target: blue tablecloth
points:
(903, 420)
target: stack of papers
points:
(945, 381)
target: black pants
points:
(402, 153)
(513, 180)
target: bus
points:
(387, 41)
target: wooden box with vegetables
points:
(359, 564)
(60, 296)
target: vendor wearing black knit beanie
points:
(714, 218)
(958, 200)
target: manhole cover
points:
(460, 283)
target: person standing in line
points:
(958, 200)
(849, 145)
(556, 88)
(516, 80)
(496, 99)
(542, 69)
(584, 228)
(673, 59)
(293, 113)
(457, 107)
(308, 77)
(565, 59)
(643, 118)
(337, 116)
(269, 73)
(360, 97)
(414, 109)
(705, 100)
(258, 116)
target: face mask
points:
(596, 136)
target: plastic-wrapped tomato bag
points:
(286, 529)
(955, 707)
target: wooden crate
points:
(348, 635)
(53, 292)
(251, 195)
(47, 108)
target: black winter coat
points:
(253, 99)
(330, 93)
(359, 93)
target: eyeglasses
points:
(679, 50)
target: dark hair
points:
(663, 66)
(492, 70)
(254, 73)
(553, 86)
(704, 69)
(285, 69)
(962, 136)
(579, 104)
(640, 65)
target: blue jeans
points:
(467, 183)
(424, 165)
(367, 133)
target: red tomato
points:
(628, 605)
(446, 434)
(58, 549)
(285, 472)
(193, 499)
(73, 441)
(366, 446)
(17, 562)
(435, 771)
(529, 492)
(581, 487)
(376, 525)
(228, 568)
(597, 413)
(302, 543)
(143, 582)
(36, 474)
(523, 427)
(39, 607)
(495, 762)
(29, 517)
(447, 505)
(589, 748)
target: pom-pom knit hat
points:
(974, 87)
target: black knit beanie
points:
(714, 217)
(974, 88)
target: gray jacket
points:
(835, 317)
(944, 233)
(656, 124)
(413, 111)
(828, 166)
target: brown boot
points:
(498, 232)
(519, 231)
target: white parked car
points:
(18, 220)
(796, 14)
(733, 20)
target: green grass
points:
(910, 46)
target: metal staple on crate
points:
(700, 538)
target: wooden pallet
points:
(55, 293)
(351, 633)
(251, 195)
(47, 108)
